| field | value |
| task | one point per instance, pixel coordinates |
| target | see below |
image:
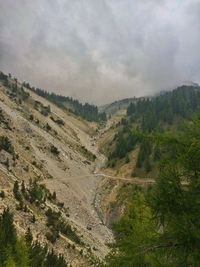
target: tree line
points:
(23, 252)
(152, 113)
(169, 110)
(86, 111)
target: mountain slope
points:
(112, 108)
(54, 148)
(165, 112)
(86, 111)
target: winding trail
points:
(135, 180)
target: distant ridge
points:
(113, 107)
(121, 104)
(190, 83)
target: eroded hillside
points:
(54, 153)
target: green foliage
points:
(52, 260)
(4, 79)
(36, 192)
(162, 227)
(3, 76)
(54, 150)
(15, 252)
(45, 110)
(134, 232)
(151, 115)
(33, 219)
(182, 102)
(48, 127)
(89, 155)
(2, 194)
(85, 111)
(52, 235)
(54, 195)
(12, 250)
(57, 224)
(40, 256)
(28, 236)
(127, 159)
(6, 144)
(125, 141)
(16, 191)
(144, 153)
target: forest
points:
(161, 224)
(86, 111)
(168, 111)
(24, 251)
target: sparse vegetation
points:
(86, 111)
(6, 144)
(149, 115)
(57, 224)
(2, 194)
(16, 191)
(54, 150)
(23, 252)
(87, 153)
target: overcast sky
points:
(101, 50)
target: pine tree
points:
(162, 226)
(29, 236)
(16, 191)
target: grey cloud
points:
(99, 51)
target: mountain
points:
(86, 111)
(159, 220)
(47, 159)
(190, 83)
(165, 112)
(65, 177)
(153, 198)
(113, 107)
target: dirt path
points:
(135, 180)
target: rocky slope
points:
(58, 150)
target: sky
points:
(101, 50)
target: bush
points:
(54, 150)
(6, 144)
(56, 223)
(2, 194)
(36, 192)
(48, 127)
(127, 159)
(16, 191)
(52, 236)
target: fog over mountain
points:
(101, 50)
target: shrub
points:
(6, 144)
(2, 194)
(54, 150)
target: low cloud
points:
(100, 51)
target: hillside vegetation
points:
(47, 158)
(23, 252)
(58, 200)
(168, 111)
(161, 225)
(114, 107)
(86, 111)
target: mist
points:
(101, 50)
